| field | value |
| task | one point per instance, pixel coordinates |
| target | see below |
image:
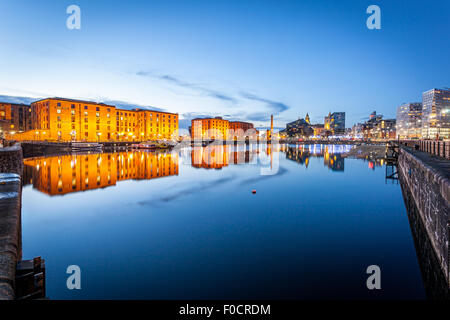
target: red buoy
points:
(253, 191)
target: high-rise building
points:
(337, 122)
(409, 121)
(436, 114)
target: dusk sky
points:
(238, 59)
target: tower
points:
(271, 124)
(307, 118)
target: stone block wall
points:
(11, 160)
(10, 232)
(428, 181)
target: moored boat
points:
(145, 145)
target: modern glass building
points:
(337, 122)
(409, 121)
(436, 114)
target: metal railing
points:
(440, 148)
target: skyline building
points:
(335, 123)
(409, 121)
(436, 114)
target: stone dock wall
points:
(10, 232)
(11, 166)
(427, 178)
(11, 160)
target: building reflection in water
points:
(219, 156)
(64, 174)
(332, 154)
(265, 156)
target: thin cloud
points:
(127, 105)
(189, 85)
(15, 99)
(258, 116)
(185, 121)
(117, 103)
(274, 106)
(192, 115)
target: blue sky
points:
(239, 59)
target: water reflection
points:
(60, 175)
(205, 233)
(332, 154)
(219, 156)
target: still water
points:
(186, 224)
